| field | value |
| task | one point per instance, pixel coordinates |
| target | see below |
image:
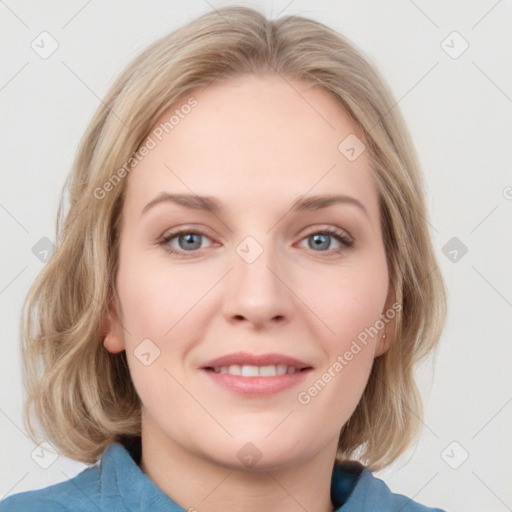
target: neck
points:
(197, 483)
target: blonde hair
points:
(81, 394)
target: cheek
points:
(351, 301)
(350, 304)
(158, 315)
(165, 305)
(157, 299)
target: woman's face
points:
(267, 275)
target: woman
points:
(243, 284)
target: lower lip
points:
(257, 386)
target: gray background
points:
(458, 106)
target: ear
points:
(388, 318)
(112, 329)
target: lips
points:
(242, 359)
(256, 375)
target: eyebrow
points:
(207, 203)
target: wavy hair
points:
(80, 394)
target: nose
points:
(257, 293)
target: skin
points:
(256, 144)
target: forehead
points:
(253, 140)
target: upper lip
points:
(248, 359)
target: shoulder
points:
(373, 494)
(106, 486)
(77, 494)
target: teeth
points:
(267, 371)
(281, 369)
(234, 369)
(250, 371)
(256, 371)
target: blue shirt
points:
(117, 484)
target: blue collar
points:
(121, 475)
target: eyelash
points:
(340, 236)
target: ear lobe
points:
(112, 331)
(388, 316)
(383, 344)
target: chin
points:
(257, 451)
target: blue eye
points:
(190, 241)
(320, 241)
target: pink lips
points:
(246, 358)
(256, 386)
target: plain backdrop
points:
(448, 64)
